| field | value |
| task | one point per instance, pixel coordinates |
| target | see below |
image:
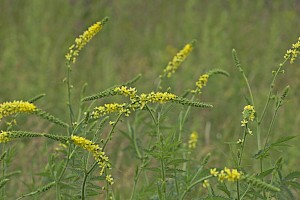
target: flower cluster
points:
(293, 52)
(177, 60)
(193, 140)
(4, 137)
(110, 108)
(248, 115)
(201, 83)
(125, 91)
(140, 101)
(10, 108)
(83, 39)
(226, 174)
(97, 152)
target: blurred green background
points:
(141, 37)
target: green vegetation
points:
(152, 136)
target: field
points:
(142, 38)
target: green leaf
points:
(216, 198)
(177, 161)
(265, 173)
(282, 140)
(294, 184)
(223, 188)
(292, 175)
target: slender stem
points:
(249, 88)
(87, 173)
(271, 126)
(69, 94)
(3, 170)
(192, 185)
(111, 131)
(265, 109)
(240, 161)
(243, 146)
(62, 173)
(136, 178)
(182, 121)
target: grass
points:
(142, 39)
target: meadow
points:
(169, 146)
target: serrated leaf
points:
(223, 188)
(294, 184)
(282, 140)
(217, 198)
(177, 161)
(152, 169)
(265, 173)
(292, 175)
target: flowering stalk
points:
(14, 107)
(73, 53)
(177, 60)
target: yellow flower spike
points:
(97, 152)
(248, 114)
(293, 53)
(10, 108)
(110, 108)
(128, 92)
(201, 82)
(4, 137)
(177, 60)
(193, 140)
(83, 39)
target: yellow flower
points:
(232, 174)
(226, 174)
(10, 108)
(110, 108)
(124, 90)
(240, 141)
(139, 102)
(83, 39)
(193, 140)
(244, 122)
(248, 114)
(222, 176)
(4, 137)
(177, 60)
(292, 53)
(109, 179)
(201, 82)
(97, 152)
(206, 183)
(214, 172)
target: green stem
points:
(95, 163)
(3, 171)
(62, 173)
(271, 126)
(192, 185)
(111, 131)
(265, 109)
(136, 178)
(69, 94)
(240, 161)
(182, 121)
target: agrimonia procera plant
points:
(163, 160)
